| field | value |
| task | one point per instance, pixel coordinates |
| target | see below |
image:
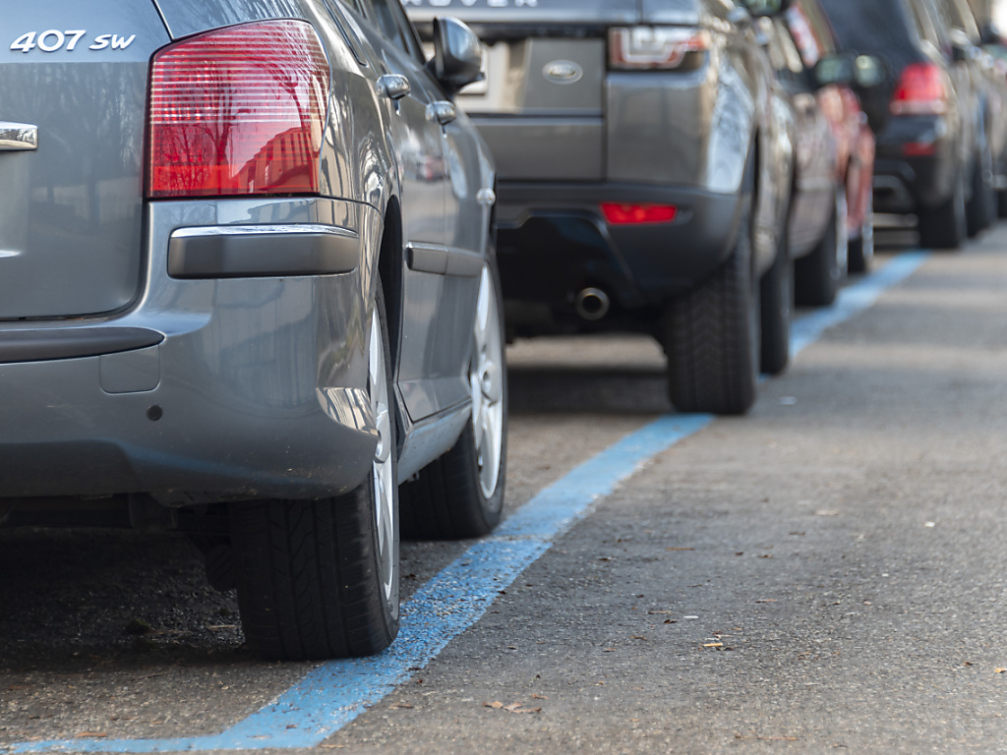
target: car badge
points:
(563, 72)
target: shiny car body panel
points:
(252, 384)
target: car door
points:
(439, 281)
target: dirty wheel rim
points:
(382, 468)
(486, 381)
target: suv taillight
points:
(238, 111)
(923, 89)
(657, 48)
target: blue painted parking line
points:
(335, 693)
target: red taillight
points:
(638, 214)
(922, 90)
(656, 47)
(238, 111)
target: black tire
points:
(817, 275)
(459, 495)
(316, 579)
(711, 336)
(980, 211)
(1002, 203)
(861, 249)
(776, 295)
(944, 227)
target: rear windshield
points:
(870, 26)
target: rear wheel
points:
(944, 227)
(776, 295)
(817, 275)
(862, 248)
(981, 208)
(320, 579)
(711, 337)
(461, 494)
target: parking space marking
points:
(335, 693)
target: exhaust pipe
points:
(592, 304)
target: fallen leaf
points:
(406, 706)
(96, 734)
(967, 663)
(1001, 670)
(539, 697)
(670, 621)
(608, 650)
(512, 707)
(767, 600)
(766, 555)
(495, 704)
(680, 549)
(637, 637)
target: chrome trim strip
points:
(252, 230)
(424, 258)
(18, 137)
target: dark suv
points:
(643, 174)
(933, 155)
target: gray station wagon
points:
(247, 288)
(645, 165)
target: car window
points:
(924, 25)
(391, 19)
(793, 66)
(820, 26)
(805, 37)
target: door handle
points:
(444, 112)
(394, 86)
(15, 137)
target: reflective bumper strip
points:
(247, 251)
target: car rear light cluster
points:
(238, 111)
(923, 89)
(657, 48)
(638, 214)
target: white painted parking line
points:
(335, 693)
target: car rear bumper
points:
(553, 242)
(247, 387)
(916, 165)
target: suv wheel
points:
(944, 227)
(461, 494)
(711, 336)
(981, 208)
(320, 579)
(862, 248)
(817, 275)
(776, 295)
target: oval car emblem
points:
(563, 72)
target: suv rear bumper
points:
(553, 242)
(249, 387)
(905, 179)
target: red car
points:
(831, 210)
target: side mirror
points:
(961, 46)
(989, 34)
(837, 70)
(458, 54)
(760, 8)
(868, 71)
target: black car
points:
(933, 155)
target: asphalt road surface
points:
(827, 573)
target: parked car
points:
(248, 288)
(831, 221)
(643, 179)
(933, 155)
